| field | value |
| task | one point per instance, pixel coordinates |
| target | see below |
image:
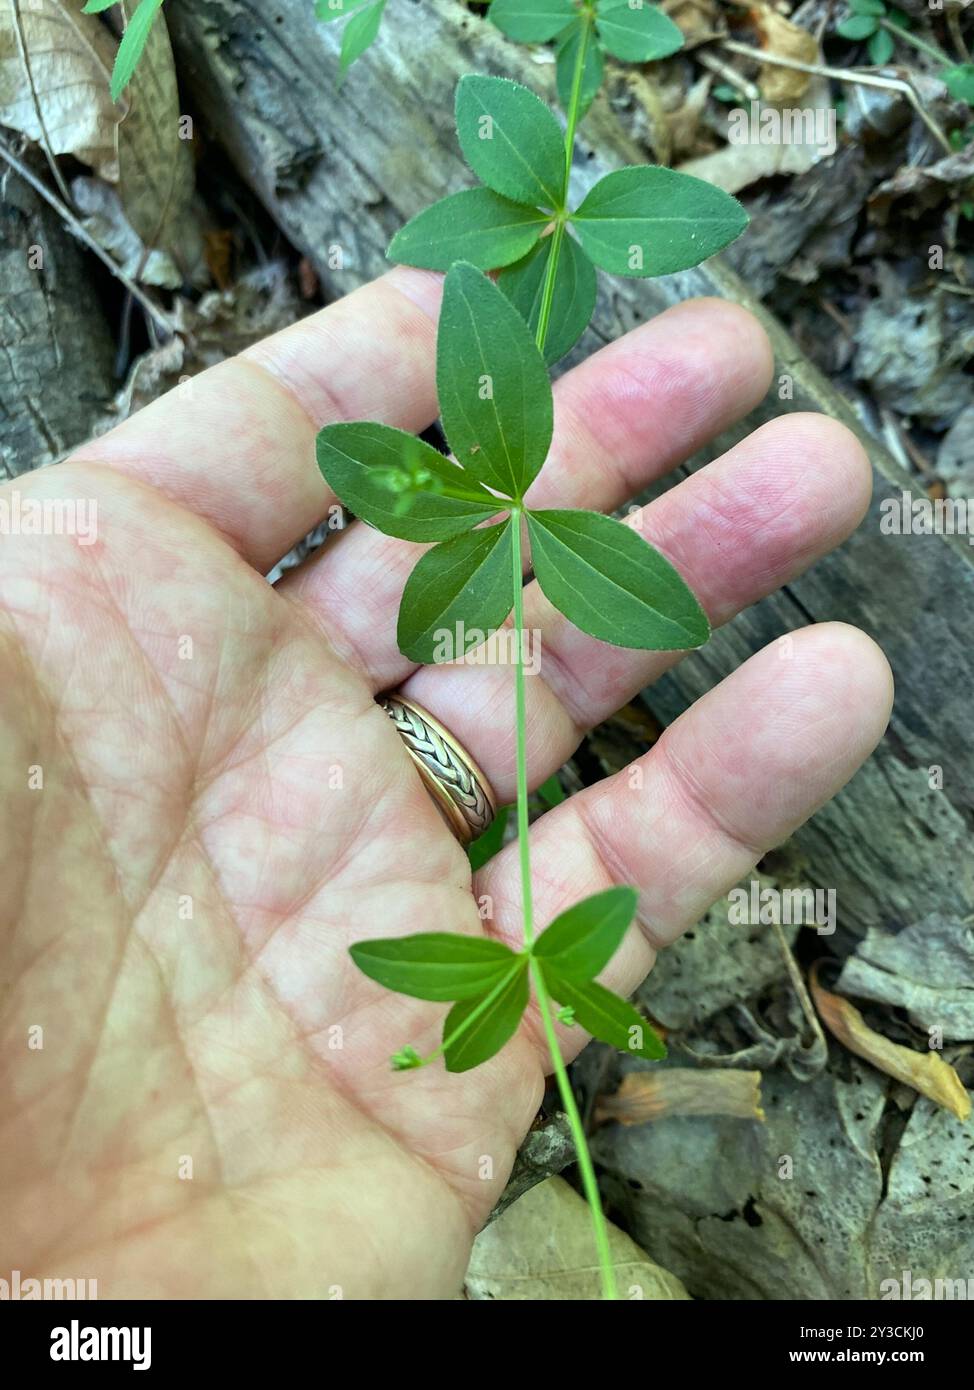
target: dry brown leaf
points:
(786, 40)
(155, 165)
(654, 1095)
(696, 18)
(55, 67)
(926, 1072)
(737, 166)
(70, 58)
(104, 219)
(541, 1248)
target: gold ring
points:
(460, 791)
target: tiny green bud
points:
(406, 1059)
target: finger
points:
(623, 418)
(733, 776)
(236, 444)
(736, 530)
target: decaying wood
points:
(56, 358)
(340, 170)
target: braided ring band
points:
(459, 789)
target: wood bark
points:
(56, 355)
(341, 170)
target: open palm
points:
(201, 805)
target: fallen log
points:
(341, 170)
(56, 374)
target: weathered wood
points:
(343, 169)
(56, 362)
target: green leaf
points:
(881, 47)
(566, 52)
(581, 942)
(874, 7)
(492, 1028)
(97, 6)
(483, 849)
(531, 21)
(607, 1017)
(574, 295)
(435, 965)
(133, 42)
(466, 581)
(859, 26)
(495, 396)
(476, 225)
(395, 482)
(551, 793)
(959, 81)
(647, 220)
(612, 584)
(636, 31)
(511, 140)
(360, 32)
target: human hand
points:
(224, 808)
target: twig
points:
(860, 79)
(922, 46)
(76, 228)
(45, 138)
(834, 314)
(730, 75)
(904, 445)
(960, 43)
(800, 988)
(893, 438)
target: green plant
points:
(133, 42)
(874, 21)
(638, 221)
(632, 30)
(866, 21)
(364, 18)
(496, 408)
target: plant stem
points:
(921, 44)
(520, 717)
(589, 1183)
(471, 1018)
(576, 99)
(548, 292)
(557, 236)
